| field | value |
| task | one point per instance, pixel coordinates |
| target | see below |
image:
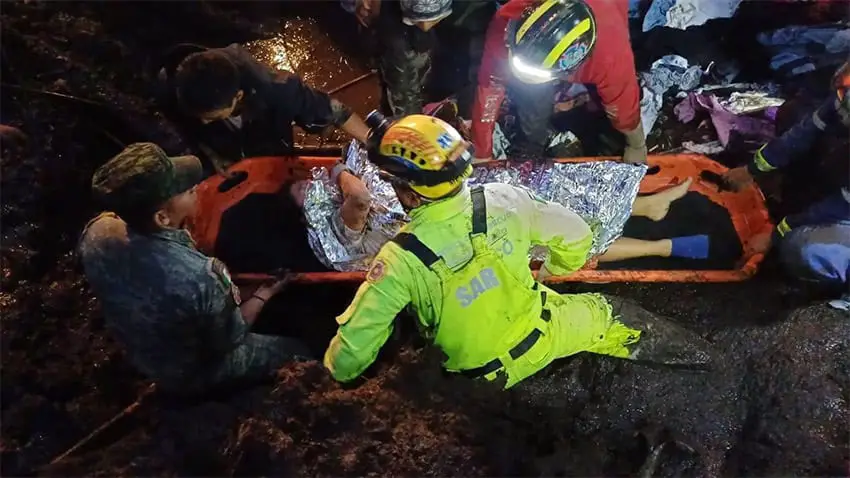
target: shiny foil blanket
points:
(322, 202)
(601, 192)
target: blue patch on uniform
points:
(444, 140)
(573, 56)
(507, 247)
(484, 281)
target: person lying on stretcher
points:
(365, 216)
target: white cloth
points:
(682, 14)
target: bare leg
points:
(629, 248)
(657, 205)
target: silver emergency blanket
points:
(742, 102)
(601, 193)
(322, 202)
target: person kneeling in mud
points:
(475, 298)
(813, 244)
(233, 107)
(175, 310)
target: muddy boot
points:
(661, 341)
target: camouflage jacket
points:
(174, 309)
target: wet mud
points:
(775, 405)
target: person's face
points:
(177, 210)
(222, 113)
(298, 191)
(407, 197)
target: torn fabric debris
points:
(801, 49)
(665, 73)
(682, 14)
(725, 122)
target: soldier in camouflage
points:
(175, 310)
(410, 32)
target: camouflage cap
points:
(142, 178)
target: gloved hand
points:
(737, 178)
(635, 152)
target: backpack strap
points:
(413, 245)
(479, 211)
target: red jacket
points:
(610, 67)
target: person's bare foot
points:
(657, 206)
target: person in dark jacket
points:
(813, 244)
(413, 34)
(232, 106)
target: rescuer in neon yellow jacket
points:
(461, 264)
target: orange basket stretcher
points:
(266, 175)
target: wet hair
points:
(206, 81)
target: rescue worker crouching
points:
(461, 264)
(233, 107)
(814, 244)
(175, 310)
(532, 45)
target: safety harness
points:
(430, 259)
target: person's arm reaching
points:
(566, 234)
(313, 109)
(793, 143)
(253, 305)
(356, 198)
(367, 323)
(355, 127)
(785, 149)
(490, 91)
(611, 68)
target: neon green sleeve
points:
(564, 232)
(367, 323)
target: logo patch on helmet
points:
(445, 141)
(573, 56)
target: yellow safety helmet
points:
(551, 38)
(424, 152)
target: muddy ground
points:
(776, 404)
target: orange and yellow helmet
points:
(425, 153)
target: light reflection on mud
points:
(302, 47)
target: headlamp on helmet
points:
(551, 39)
